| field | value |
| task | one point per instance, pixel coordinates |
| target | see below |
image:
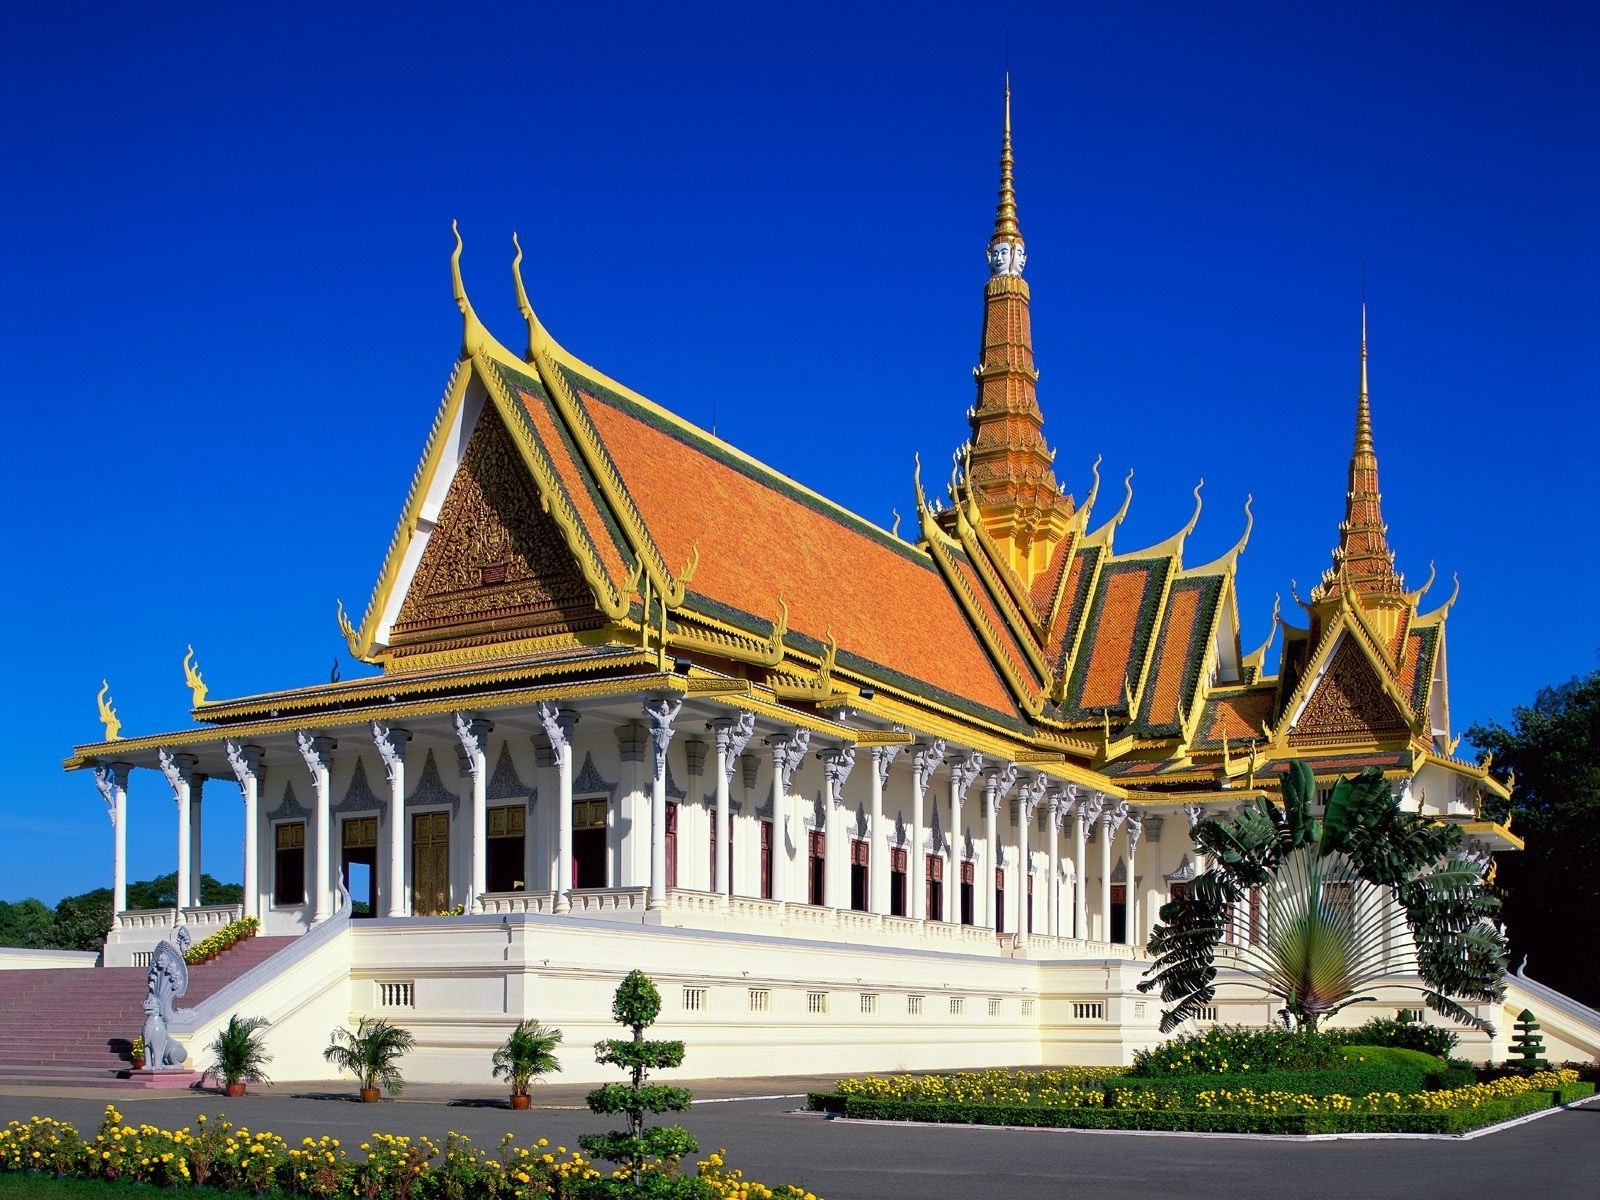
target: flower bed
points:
(1083, 1102)
(232, 1158)
(226, 938)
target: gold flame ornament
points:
(191, 676)
(108, 714)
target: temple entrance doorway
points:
(430, 863)
(817, 867)
(1119, 913)
(967, 875)
(358, 864)
(859, 854)
(588, 843)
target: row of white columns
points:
(731, 736)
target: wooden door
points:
(430, 863)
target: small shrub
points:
(1401, 1030)
(1225, 1049)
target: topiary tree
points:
(1330, 932)
(636, 1005)
(1527, 1045)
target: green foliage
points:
(1399, 1030)
(527, 1054)
(637, 1004)
(1319, 885)
(1527, 1045)
(238, 1055)
(1391, 1056)
(1553, 747)
(372, 1053)
(1233, 1048)
(82, 922)
(1345, 1079)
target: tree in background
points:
(1327, 934)
(1552, 887)
(82, 922)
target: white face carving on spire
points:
(1007, 258)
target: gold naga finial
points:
(108, 713)
(916, 482)
(474, 336)
(1258, 656)
(1486, 761)
(348, 631)
(1127, 695)
(1416, 596)
(538, 337)
(1450, 746)
(1094, 487)
(191, 676)
(1511, 779)
(1195, 518)
(894, 530)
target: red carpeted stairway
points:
(75, 1026)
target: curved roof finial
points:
(1127, 500)
(1094, 488)
(538, 339)
(1195, 518)
(473, 335)
(1416, 596)
(1258, 656)
(916, 482)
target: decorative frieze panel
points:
(359, 796)
(505, 783)
(289, 807)
(587, 782)
(430, 789)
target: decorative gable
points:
(1349, 704)
(496, 566)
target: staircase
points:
(76, 1027)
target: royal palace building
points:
(888, 799)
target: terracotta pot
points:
(233, 1089)
(520, 1099)
(138, 1062)
(369, 1095)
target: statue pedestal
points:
(146, 1077)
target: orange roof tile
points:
(1170, 667)
(760, 538)
(1238, 716)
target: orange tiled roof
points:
(1175, 672)
(1237, 715)
(1121, 623)
(759, 538)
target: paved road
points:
(1556, 1156)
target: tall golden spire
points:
(1009, 472)
(1363, 564)
(1005, 217)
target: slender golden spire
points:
(1364, 404)
(1005, 217)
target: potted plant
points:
(527, 1055)
(371, 1054)
(238, 1055)
(136, 1053)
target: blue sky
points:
(226, 321)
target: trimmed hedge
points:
(1194, 1121)
(1353, 1080)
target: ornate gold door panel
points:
(430, 863)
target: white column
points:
(316, 751)
(473, 734)
(787, 754)
(391, 743)
(112, 780)
(196, 789)
(662, 711)
(1027, 805)
(732, 735)
(558, 724)
(1052, 893)
(179, 770)
(964, 768)
(995, 790)
(1110, 819)
(836, 767)
(246, 764)
(1088, 813)
(926, 757)
(878, 837)
(1135, 827)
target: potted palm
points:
(371, 1054)
(527, 1055)
(238, 1054)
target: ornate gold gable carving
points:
(1349, 705)
(496, 565)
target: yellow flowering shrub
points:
(391, 1166)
